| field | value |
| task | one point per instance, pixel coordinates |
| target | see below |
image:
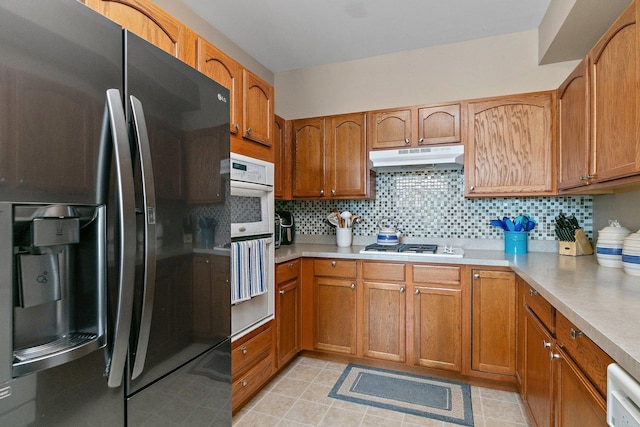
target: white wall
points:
(486, 67)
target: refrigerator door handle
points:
(126, 237)
(150, 249)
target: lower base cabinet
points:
(252, 364)
(287, 312)
(538, 387)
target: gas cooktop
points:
(425, 249)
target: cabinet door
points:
(213, 63)
(282, 158)
(573, 129)
(510, 146)
(384, 321)
(577, 401)
(148, 21)
(257, 109)
(202, 164)
(439, 124)
(335, 315)
(390, 129)
(493, 330)
(438, 327)
(308, 158)
(538, 384)
(287, 321)
(347, 162)
(613, 100)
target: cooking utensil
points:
(346, 215)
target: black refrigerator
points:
(109, 148)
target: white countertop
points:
(602, 302)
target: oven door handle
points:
(250, 186)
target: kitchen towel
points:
(248, 269)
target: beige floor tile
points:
(414, 420)
(255, 419)
(304, 373)
(318, 393)
(499, 410)
(328, 377)
(385, 413)
(274, 404)
(307, 412)
(289, 423)
(351, 406)
(373, 421)
(507, 396)
(310, 361)
(335, 366)
(291, 387)
(341, 417)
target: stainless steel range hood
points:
(438, 157)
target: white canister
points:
(343, 237)
(609, 245)
(631, 254)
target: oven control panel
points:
(247, 169)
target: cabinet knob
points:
(248, 131)
(406, 141)
(243, 350)
(472, 188)
(587, 177)
(290, 266)
(353, 286)
(533, 292)
(334, 263)
(402, 290)
(421, 141)
(546, 344)
(322, 192)
(237, 126)
(333, 192)
(576, 334)
(244, 383)
(282, 292)
(476, 276)
(206, 261)
(417, 292)
(553, 355)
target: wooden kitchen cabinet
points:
(145, 19)
(614, 92)
(509, 145)
(414, 126)
(437, 314)
(287, 312)
(215, 64)
(330, 158)
(282, 158)
(538, 386)
(385, 307)
(493, 326)
(335, 306)
(573, 128)
(257, 109)
(252, 364)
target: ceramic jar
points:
(609, 245)
(631, 254)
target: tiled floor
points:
(298, 397)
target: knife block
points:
(581, 246)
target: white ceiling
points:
(291, 34)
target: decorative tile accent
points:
(432, 204)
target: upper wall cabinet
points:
(251, 113)
(414, 127)
(330, 158)
(613, 100)
(282, 155)
(573, 128)
(510, 145)
(148, 21)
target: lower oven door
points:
(623, 398)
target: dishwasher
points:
(623, 398)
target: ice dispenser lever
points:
(54, 231)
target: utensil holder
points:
(581, 246)
(515, 242)
(343, 237)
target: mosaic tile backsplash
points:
(432, 204)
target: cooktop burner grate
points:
(407, 247)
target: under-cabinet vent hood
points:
(447, 156)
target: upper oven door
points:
(252, 209)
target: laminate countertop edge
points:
(602, 302)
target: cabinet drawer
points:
(436, 274)
(384, 271)
(334, 268)
(244, 355)
(541, 308)
(287, 270)
(247, 384)
(586, 354)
